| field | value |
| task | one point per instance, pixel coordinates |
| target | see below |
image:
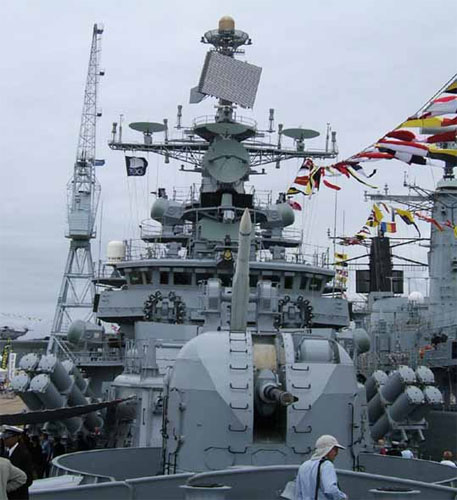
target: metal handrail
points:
(204, 119)
(61, 470)
(140, 250)
(54, 341)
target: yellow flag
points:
(450, 152)
(378, 215)
(452, 87)
(405, 214)
(422, 123)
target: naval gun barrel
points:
(272, 394)
(268, 395)
(240, 288)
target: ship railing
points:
(186, 194)
(268, 479)
(59, 469)
(448, 482)
(55, 346)
(204, 119)
(135, 363)
(295, 235)
(151, 229)
(98, 356)
(104, 271)
(261, 197)
(139, 250)
(316, 259)
(359, 306)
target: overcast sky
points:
(363, 66)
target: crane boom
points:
(77, 290)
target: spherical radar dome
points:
(226, 23)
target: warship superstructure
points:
(416, 330)
(229, 331)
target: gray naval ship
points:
(415, 330)
(228, 334)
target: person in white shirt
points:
(447, 459)
(316, 478)
(11, 478)
(406, 452)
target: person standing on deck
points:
(19, 456)
(447, 459)
(316, 478)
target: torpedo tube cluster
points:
(45, 383)
(401, 400)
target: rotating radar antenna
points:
(78, 290)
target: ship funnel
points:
(240, 288)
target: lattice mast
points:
(83, 192)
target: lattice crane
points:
(83, 193)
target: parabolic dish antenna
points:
(226, 160)
(147, 127)
(300, 134)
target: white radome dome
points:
(115, 252)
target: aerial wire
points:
(100, 240)
(334, 235)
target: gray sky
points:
(363, 66)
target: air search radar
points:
(223, 76)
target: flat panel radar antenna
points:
(78, 290)
(223, 76)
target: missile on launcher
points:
(240, 287)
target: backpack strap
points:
(318, 478)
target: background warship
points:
(258, 348)
(416, 330)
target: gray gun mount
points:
(241, 398)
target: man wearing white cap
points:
(316, 478)
(19, 456)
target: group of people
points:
(317, 480)
(27, 459)
(24, 458)
(397, 449)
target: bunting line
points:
(437, 121)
